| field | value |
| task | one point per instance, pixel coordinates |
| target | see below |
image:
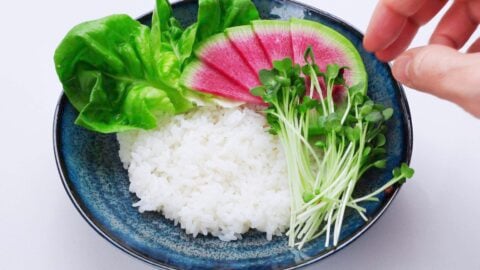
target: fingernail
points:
(401, 67)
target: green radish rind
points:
(244, 31)
(189, 73)
(335, 38)
(210, 43)
(270, 25)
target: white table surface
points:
(433, 224)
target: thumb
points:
(443, 72)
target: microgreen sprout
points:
(329, 145)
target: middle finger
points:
(421, 17)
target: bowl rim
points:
(75, 199)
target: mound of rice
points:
(213, 170)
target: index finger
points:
(388, 20)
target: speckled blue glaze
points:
(97, 184)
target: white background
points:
(433, 224)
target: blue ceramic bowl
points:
(97, 184)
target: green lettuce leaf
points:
(110, 75)
(168, 35)
(138, 107)
(214, 16)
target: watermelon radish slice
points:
(228, 63)
(329, 47)
(247, 43)
(275, 38)
(219, 53)
(199, 76)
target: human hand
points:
(439, 68)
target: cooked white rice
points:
(212, 170)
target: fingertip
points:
(400, 45)
(367, 44)
(383, 29)
(369, 40)
(384, 56)
(368, 47)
